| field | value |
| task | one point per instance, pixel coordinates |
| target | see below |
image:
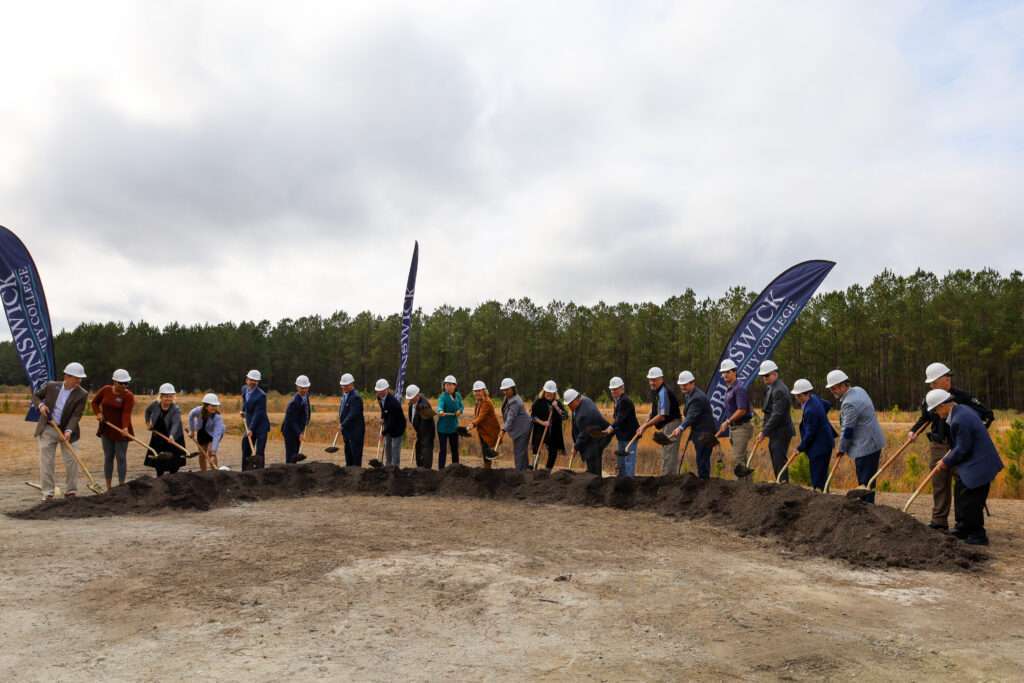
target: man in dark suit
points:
(700, 420)
(976, 460)
(778, 422)
(257, 424)
(351, 422)
(63, 403)
(296, 419)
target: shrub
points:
(1013, 447)
(800, 470)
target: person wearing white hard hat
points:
(163, 419)
(449, 408)
(860, 434)
(976, 462)
(206, 428)
(665, 417)
(296, 418)
(624, 426)
(547, 413)
(516, 423)
(485, 422)
(778, 420)
(590, 434)
(939, 376)
(421, 417)
(738, 415)
(256, 423)
(392, 423)
(112, 405)
(63, 404)
(351, 422)
(700, 421)
(817, 436)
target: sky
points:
(197, 161)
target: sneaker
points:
(937, 525)
(70, 494)
(976, 540)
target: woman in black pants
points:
(548, 407)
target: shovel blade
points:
(331, 449)
(96, 488)
(859, 493)
(742, 471)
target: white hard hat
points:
(346, 379)
(450, 379)
(768, 367)
(835, 377)
(381, 385)
(211, 400)
(302, 382)
(570, 395)
(936, 397)
(507, 383)
(685, 377)
(167, 388)
(935, 371)
(615, 383)
(655, 373)
(551, 387)
(727, 365)
(479, 386)
(801, 386)
(254, 374)
(411, 392)
(75, 370)
(121, 376)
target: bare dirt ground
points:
(372, 588)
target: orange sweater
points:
(117, 410)
(485, 420)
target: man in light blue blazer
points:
(861, 435)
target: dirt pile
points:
(803, 521)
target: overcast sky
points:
(200, 161)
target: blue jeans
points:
(866, 466)
(626, 464)
(115, 450)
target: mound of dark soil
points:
(807, 522)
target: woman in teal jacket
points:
(449, 408)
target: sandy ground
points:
(362, 588)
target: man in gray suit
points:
(778, 422)
(64, 403)
(861, 435)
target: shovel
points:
(125, 432)
(543, 436)
(176, 445)
(93, 486)
(863, 491)
(830, 473)
(497, 443)
(744, 471)
(778, 479)
(333, 448)
(205, 458)
(924, 483)
(56, 489)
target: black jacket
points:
(699, 417)
(777, 419)
(673, 405)
(624, 418)
(391, 416)
(555, 439)
(939, 432)
(421, 414)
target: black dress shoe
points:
(976, 540)
(936, 525)
(959, 533)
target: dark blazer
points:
(624, 418)
(540, 410)
(817, 435)
(255, 409)
(350, 417)
(699, 417)
(587, 417)
(777, 419)
(73, 407)
(421, 415)
(973, 454)
(391, 416)
(296, 415)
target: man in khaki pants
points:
(64, 403)
(939, 376)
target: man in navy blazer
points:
(257, 424)
(351, 422)
(976, 460)
(296, 419)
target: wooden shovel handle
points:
(172, 442)
(895, 455)
(831, 472)
(93, 486)
(778, 479)
(924, 483)
(125, 432)
(543, 436)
